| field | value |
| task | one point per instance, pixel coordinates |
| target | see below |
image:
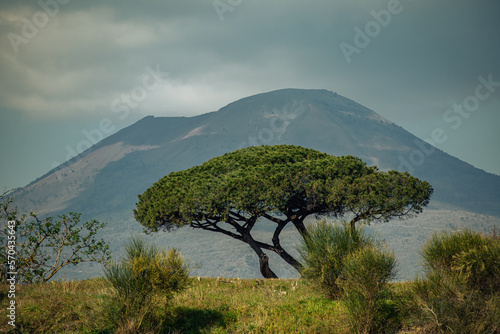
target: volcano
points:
(104, 181)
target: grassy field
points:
(209, 305)
(458, 295)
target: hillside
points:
(104, 181)
(108, 177)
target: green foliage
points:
(443, 302)
(280, 179)
(460, 292)
(368, 269)
(283, 184)
(144, 281)
(386, 195)
(366, 294)
(473, 257)
(45, 246)
(324, 250)
(351, 266)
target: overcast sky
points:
(67, 67)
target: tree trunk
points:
(299, 225)
(280, 251)
(290, 260)
(263, 258)
(354, 234)
(264, 267)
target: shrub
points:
(323, 252)
(366, 294)
(144, 282)
(37, 249)
(460, 292)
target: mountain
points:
(104, 181)
(109, 176)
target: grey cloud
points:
(111, 43)
(92, 52)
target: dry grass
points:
(63, 307)
(210, 305)
(263, 306)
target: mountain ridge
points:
(104, 181)
(317, 119)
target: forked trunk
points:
(264, 267)
(263, 258)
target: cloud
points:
(81, 59)
(90, 53)
(73, 65)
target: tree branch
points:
(212, 226)
(274, 219)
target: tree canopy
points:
(283, 184)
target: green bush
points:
(369, 301)
(460, 292)
(144, 282)
(323, 252)
(470, 255)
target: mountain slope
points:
(109, 176)
(104, 181)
